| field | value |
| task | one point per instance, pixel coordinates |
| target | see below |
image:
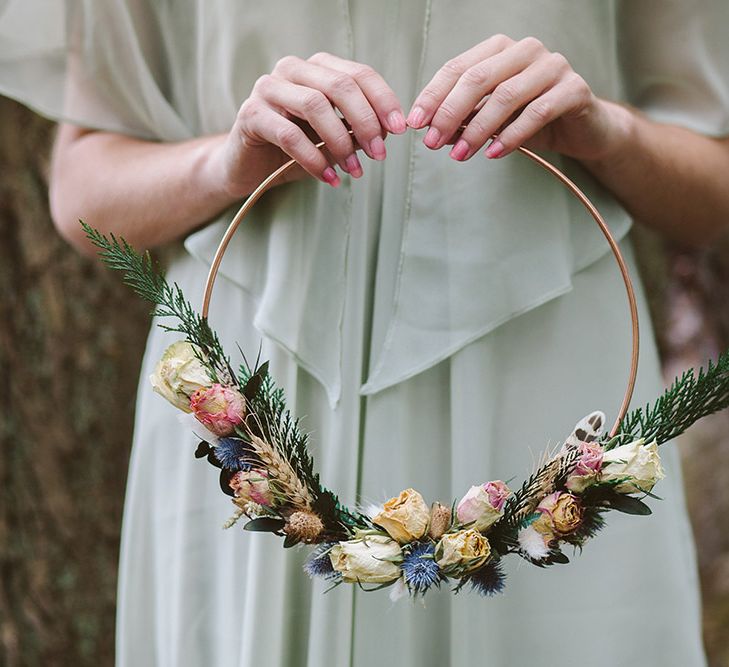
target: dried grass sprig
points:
(282, 477)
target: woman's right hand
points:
(113, 180)
(295, 107)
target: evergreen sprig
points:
(141, 274)
(267, 400)
(688, 399)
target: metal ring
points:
(270, 181)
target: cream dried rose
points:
(405, 518)
(179, 374)
(637, 463)
(483, 505)
(466, 549)
(367, 559)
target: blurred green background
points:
(71, 341)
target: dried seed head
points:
(304, 526)
(440, 520)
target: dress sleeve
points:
(100, 64)
(674, 55)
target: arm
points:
(667, 177)
(151, 193)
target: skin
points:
(667, 177)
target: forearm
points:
(667, 177)
(147, 192)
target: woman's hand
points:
(666, 176)
(521, 92)
(113, 181)
(296, 106)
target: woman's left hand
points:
(521, 92)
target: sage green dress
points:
(437, 324)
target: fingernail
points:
(396, 122)
(416, 117)
(460, 150)
(432, 137)
(353, 166)
(377, 148)
(495, 149)
(330, 176)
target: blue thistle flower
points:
(230, 453)
(320, 565)
(420, 569)
(488, 580)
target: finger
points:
(314, 107)
(432, 96)
(344, 92)
(268, 126)
(476, 82)
(567, 97)
(509, 97)
(375, 88)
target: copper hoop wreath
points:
(270, 181)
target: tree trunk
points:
(689, 290)
(71, 341)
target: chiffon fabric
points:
(436, 324)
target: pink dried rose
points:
(587, 468)
(483, 505)
(220, 408)
(252, 486)
(559, 514)
(498, 492)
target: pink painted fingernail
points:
(460, 150)
(353, 166)
(495, 149)
(432, 137)
(330, 176)
(416, 117)
(396, 122)
(377, 148)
